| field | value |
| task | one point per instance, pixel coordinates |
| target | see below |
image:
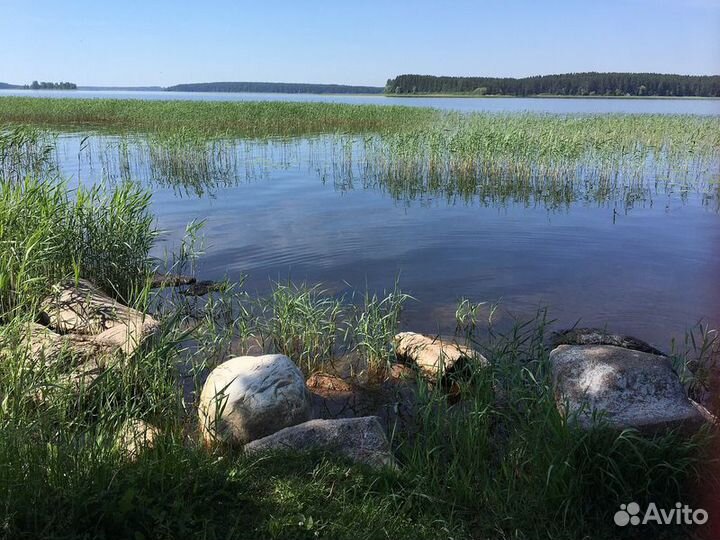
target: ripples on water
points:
(641, 258)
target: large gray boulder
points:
(627, 388)
(362, 440)
(434, 356)
(249, 397)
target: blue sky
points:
(160, 42)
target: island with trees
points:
(51, 86)
(569, 84)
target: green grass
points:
(25, 150)
(49, 233)
(245, 119)
(501, 463)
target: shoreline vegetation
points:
(568, 84)
(483, 452)
(491, 456)
(536, 96)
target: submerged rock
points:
(249, 397)
(433, 356)
(361, 440)
(597, 336)
(82, 309)
(201, 288)
(170, 280)
(627, 388)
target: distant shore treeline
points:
(570, 84)
(283, 88)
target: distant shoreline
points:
(538, 96)
(401, 96)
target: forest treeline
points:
(282, 88)
(570, 84)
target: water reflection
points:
(636, 251)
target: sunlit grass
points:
(245, 119)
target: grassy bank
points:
(499, 463)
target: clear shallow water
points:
(651, 270)
(549, 105)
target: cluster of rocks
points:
(263, 403)
(599, 378)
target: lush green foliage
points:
(568, 84)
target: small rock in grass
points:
(46, 348)
(249, 397)
(134, 436)
(361, 440)
(434, 356)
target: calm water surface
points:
(550, 105)
(651, 271)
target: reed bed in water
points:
(489, 158)
(240, 119)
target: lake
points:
(546, 105)
(645, 264)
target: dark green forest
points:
(281, 88)
(570, 84)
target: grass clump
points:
(49, 233)
(304, 323)
(25, 150)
